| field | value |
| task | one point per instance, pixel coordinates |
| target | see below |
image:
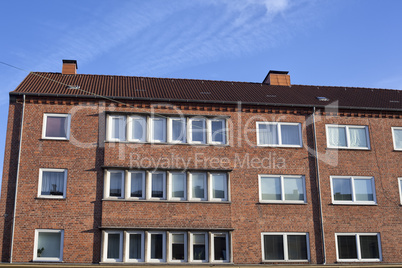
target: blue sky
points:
(320, 42)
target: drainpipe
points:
(319, 187)
(16, 180)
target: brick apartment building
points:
(115, 169)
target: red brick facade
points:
(84, 214)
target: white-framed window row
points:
(48, 245)
(169, 185)
(358, 247)
(160, 246)
(397, 138)
(279, 134)
(282, 189)
(56, 126)
(353, 190)
(52, 183)
(143, 128)
(285, 247)
(347, 137)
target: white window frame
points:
(210, 186)
(128, 184)
(393, 138)
(285, 246)
(170, 184)
(282, 179)
(190, 185)
(109, 127)
(130, 128)
(148, 258)
(170, 129)
(151, 120)
(348, 136)
(191, 251)
(149, 185)
(105, 246)
(127, 246)
(48, 259)
(279, 133)
(400, 189)
(357, 235)
(224, 128)
(107, 184)
(213, 234)
(353, 202)
(44, 126)
(171, 247)
(41, 170)
(190, 133)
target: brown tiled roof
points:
(167, 89)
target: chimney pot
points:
(277, 78)
(69, 67)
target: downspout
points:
(319, 187)
(16, 180)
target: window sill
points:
(49, 198)
(53, 139)
(282, 203)
(354, 204)
(281, 146)
(170, 143)
(166, 201)
(347, 149)
(285, 261)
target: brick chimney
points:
(277, 78)
(69, 67)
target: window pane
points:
(136, 184)
(52, 183)
(113, 246)
(220, 247)
(138, 128)
(398, 138)
(369, 247)
(218, 131)
(273, 247)
(294, 189)
(290, 134)
(178, 185)
(218, 185)
(156, 246)
(157, 185)
(198, 130)
(271, 188)
(268, 134)
(347, 247)
(199, 247)
(198, 185)
(358, 137)
(364, 190)
(178, 130)
(337, 136)
(159, 129)
(177, 246)
(49, 244)
(115, 184)
(118, 128)
(56, 126)
(342, 189)
(297, 247)
(135, 246)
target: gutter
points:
(203, 101)
(16, 180)
(319, 188)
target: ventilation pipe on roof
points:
(69, 67)
(277, 78)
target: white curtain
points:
(358, 137)
(159, 129)
(138, 128)
(337, 136)
(179, 130)
(218, 131)
(52, 183)
(268, 134)
(118, 128)
(290, 134)
(198, 130)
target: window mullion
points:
(352, 181)
(347, 137)
(285, 247)
(279, 133)
(282, 188)
(358, 247)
